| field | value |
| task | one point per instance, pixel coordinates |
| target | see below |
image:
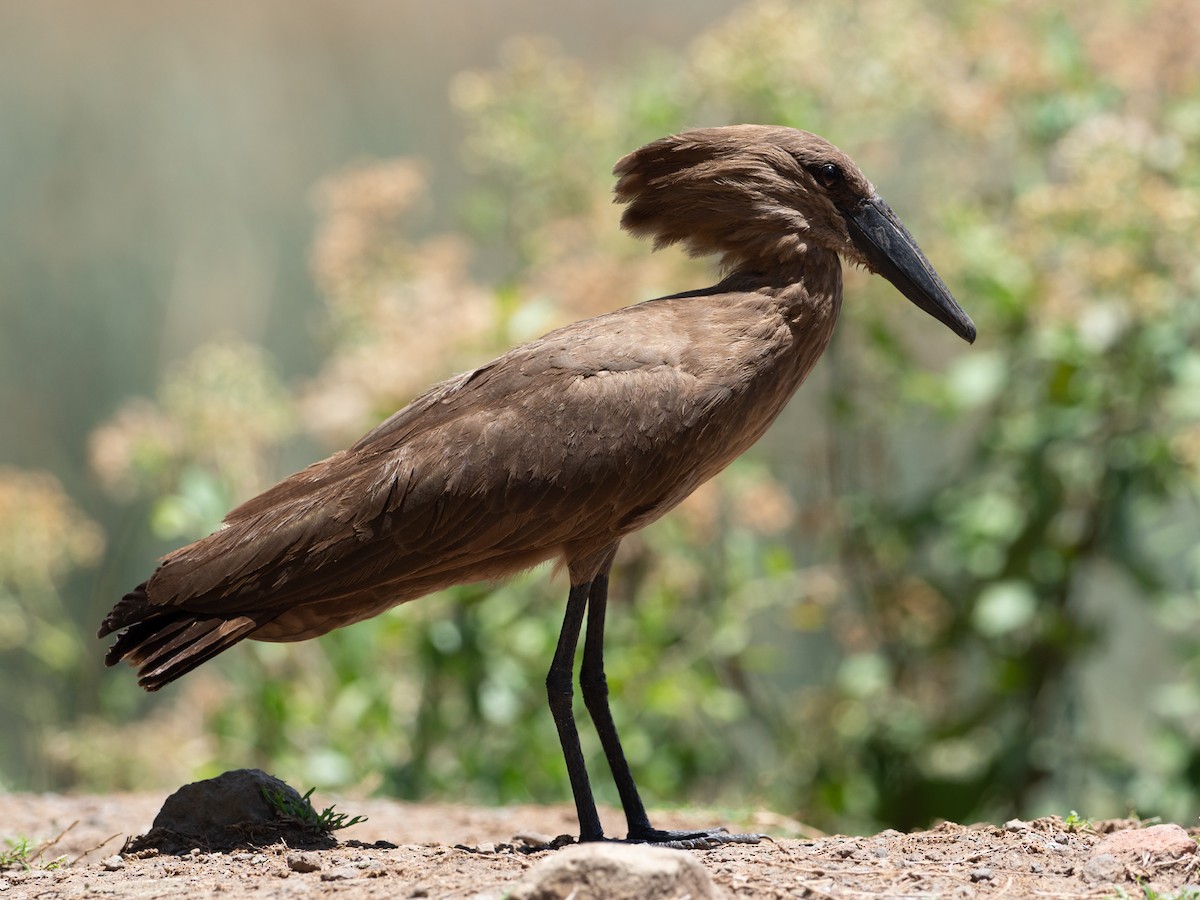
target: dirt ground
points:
(440, 850)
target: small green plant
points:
(301, 812)
(1075, 822)
(16, 855)
(20, 854)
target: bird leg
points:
(560, 693)
(594, 687)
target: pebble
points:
(113, 863)
(1103, 868)
(302, 862)
(627, 872)
(982, 874)
(1049, 843)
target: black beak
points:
(891, 252)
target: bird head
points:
(762, 196)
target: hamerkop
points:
(560, 448)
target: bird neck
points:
(803, 282)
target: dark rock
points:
(226, 813)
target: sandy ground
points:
(439, 850)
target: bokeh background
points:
(951, 582)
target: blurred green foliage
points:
(43, 537)
(926, 614)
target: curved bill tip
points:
(893, 253)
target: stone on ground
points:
(224, 813)
(604, 871)
(1103, 868)
(1157, 841)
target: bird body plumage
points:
(555, 450)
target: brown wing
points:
(572, 440)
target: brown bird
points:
(561, 447)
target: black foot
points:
(705, 839)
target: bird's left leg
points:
(594, 687)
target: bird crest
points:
(751, 193)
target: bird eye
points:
(829, 174)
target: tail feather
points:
(131, 608)
(164, 643)
(205, 638)
(139, 639)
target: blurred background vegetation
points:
(951, 582)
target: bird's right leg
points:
(595, 694)
(560, 693)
